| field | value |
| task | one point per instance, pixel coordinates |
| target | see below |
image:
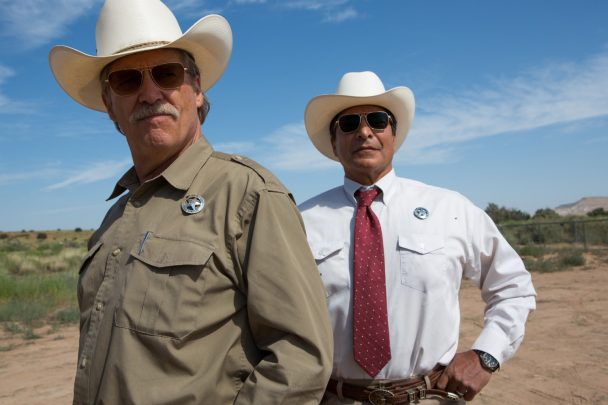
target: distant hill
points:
(583, 206)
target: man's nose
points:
(149, 91)
(364, 130)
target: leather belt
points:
(393, 391)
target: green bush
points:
(531, 250)
(540, 265)
(598, 212)
(571, 258)
(553, 232)
(68, 315)
(545, 213)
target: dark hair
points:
(192, 69)
(332, 123)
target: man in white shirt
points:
(392, 266)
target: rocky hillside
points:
(583, 206)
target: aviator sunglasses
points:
(377, 120)
(166, 76)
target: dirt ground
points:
(563, 359)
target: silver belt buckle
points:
(379, 396)
(451, 396)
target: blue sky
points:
(512, 98)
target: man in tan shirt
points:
(199, 286)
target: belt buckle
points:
(379, 395)
(452, 397)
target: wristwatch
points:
(487, 361)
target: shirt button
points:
(83, 362)
(99, 306)
(116, 252)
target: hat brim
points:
(321, 109)
(209, 41)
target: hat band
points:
(144, 45)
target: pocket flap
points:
(322, 249)
(421, 242)
(159, 251)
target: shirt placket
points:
(105, 302)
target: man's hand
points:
(464, 375)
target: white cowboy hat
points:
(357, 88)
(125, 27)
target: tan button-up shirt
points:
(217, 307)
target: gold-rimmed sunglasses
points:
(167, 76)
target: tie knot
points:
(365, 197)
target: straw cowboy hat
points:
(357, 88)
(126, 27)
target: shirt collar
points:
(386, 184)
(180, 174)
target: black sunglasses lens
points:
(125, 81)
(349, 123)
(377, 120)
(169, 75)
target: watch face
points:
(488, 361)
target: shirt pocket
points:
(332, 263)
(163, 287)
(422, 261)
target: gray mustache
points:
(148, 110)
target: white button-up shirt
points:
(425, 259)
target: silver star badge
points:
(193, 204)
(421, 213)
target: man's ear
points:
(197, 91)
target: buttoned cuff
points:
(494, 341)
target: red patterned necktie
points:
(371, 342)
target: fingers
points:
(443, 380)
(464, 376)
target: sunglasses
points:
(128, 81)
(377, 120)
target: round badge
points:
(421, 213)
(193, 204)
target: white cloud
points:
(5, 72)
(289, 148)
(93, 173)
(11, 178)
(334, 11)
(8, 105)
(249, 1)
(341, 15)
(559, 94)
(36, 22)
(555, 94)
(313, 4)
